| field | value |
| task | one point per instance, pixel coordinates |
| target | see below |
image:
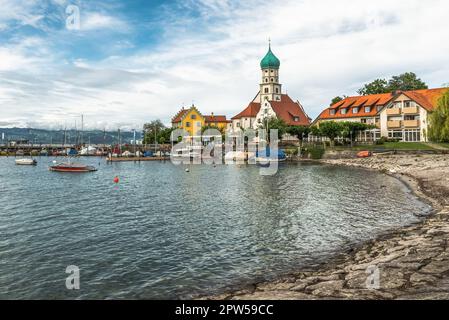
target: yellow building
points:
(192, 121)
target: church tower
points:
(270, 88)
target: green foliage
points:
(204, 128)
(375, 87)
(315, 131)
(351, 129)
(299, 132)
(330, 129)
(315, 152)
(277, 124)
(439, 121)
(152, 130)
(337, 100)
(403, 82)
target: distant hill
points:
(72, 137)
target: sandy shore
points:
(409, 263)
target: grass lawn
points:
(444, 145)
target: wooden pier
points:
(136, 159)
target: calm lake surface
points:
(165, 233)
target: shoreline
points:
(412, 262)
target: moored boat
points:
(26, 162)
(72, 167)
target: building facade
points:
(191, 120)
(270, 102)
(397, 115)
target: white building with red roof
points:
(270, 101)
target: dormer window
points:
(367, 109)
(355, 110)
(378, 108)
(332, 112)
(344, 111)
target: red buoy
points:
(116, 180)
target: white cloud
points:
(95, 21)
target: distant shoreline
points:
(412, 261)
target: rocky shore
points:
(410, 263)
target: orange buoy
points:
(116, 180)
(364, 154)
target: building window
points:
(332, 112)
(272, 80)
(378, 108)
(198, 124)
(266, 90)
(193, 116)
(296, 119)
(238, 124)
(266, 80)
(367, 109)
(355, 110)
(343, 111)
(266, 71)
(272, 71)
(277, 90)
(259, 121)
(188, 124)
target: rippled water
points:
(165, 233)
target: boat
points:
(26, 162)
(70, 166)
(364, 154)
(268, 157)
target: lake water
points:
(165, 233)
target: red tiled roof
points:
(288, 110)
(426, 98)
(214, 118)
(250, 111)
(179, 115)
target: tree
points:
(299, 132)
(375, 87)
(403, 82)
(330, 129)
(439, 120)
(151, 130)
(406, 82)
(164, 135)
(351, 129)
(275, 123)
(338, 99)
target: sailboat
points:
(70, 166)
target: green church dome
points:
(270, 61)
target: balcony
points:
(393, 124)
(393, 111)
(411, 123)
(410, 110)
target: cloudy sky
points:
(132, 61)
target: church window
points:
(266, 90)
(277, 90)
(266, 79)
(272, 79)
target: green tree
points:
(406, 82)
(439, 120)
(350, 129)
(375, 87)
(331, 130)
(151, 131)
(275, 123)
(164, 135)
(337, 100)
(403, 82)
(299, 132)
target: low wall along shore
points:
(409, 263)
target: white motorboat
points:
(26, 162)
